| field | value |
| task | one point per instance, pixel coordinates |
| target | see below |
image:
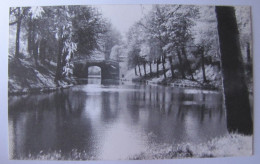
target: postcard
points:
(130, 82)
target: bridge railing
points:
(95, 61)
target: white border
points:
(4, 14)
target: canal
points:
(112, 121)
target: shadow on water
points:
(49, 122)
(182, 116)
(113, 121)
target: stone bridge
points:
(109, 68)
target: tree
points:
(150, 52)
(116, 51)
(63, 34)
(16, 16)
(59, 33)
(33, 24)
(201, 51)
(110, 38)
(205, 36)
(88, 29)
(235, 90)
(153, 25)
(243, 15)
(179, 21)
(135, 37)
(155, 53)
(78, 31)
(144, 55)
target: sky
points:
(123, 16)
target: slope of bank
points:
(25, 78)
(213, 76)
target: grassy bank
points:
(227, 146)
(24, 77)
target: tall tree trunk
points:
(163, 64)
(249, 61)
(59, 60)
(235, 90)
(140, 73)
(35, 53)
(18, 29)
(187, 61)
(29, 40)
(163, 61)
(63, 59)
(157, 67)
(144, 64)
(42, 53)
(248, 53)
(181, 64)
(34, 45)
(135, 71)
(172, 69)
(203, 64)
(150, 63)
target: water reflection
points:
(97, 80)
(112, 121)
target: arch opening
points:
(94, 75)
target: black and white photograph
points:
(130, 82)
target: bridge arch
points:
(109, 69)
(94, 71)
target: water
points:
(112, 121)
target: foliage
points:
(164, 31)
(183, 39)
(60, 33)
(109, 39)
(134, 40)
(116, 51)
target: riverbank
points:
(213, 76)
(227, 146)
(24, 78)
